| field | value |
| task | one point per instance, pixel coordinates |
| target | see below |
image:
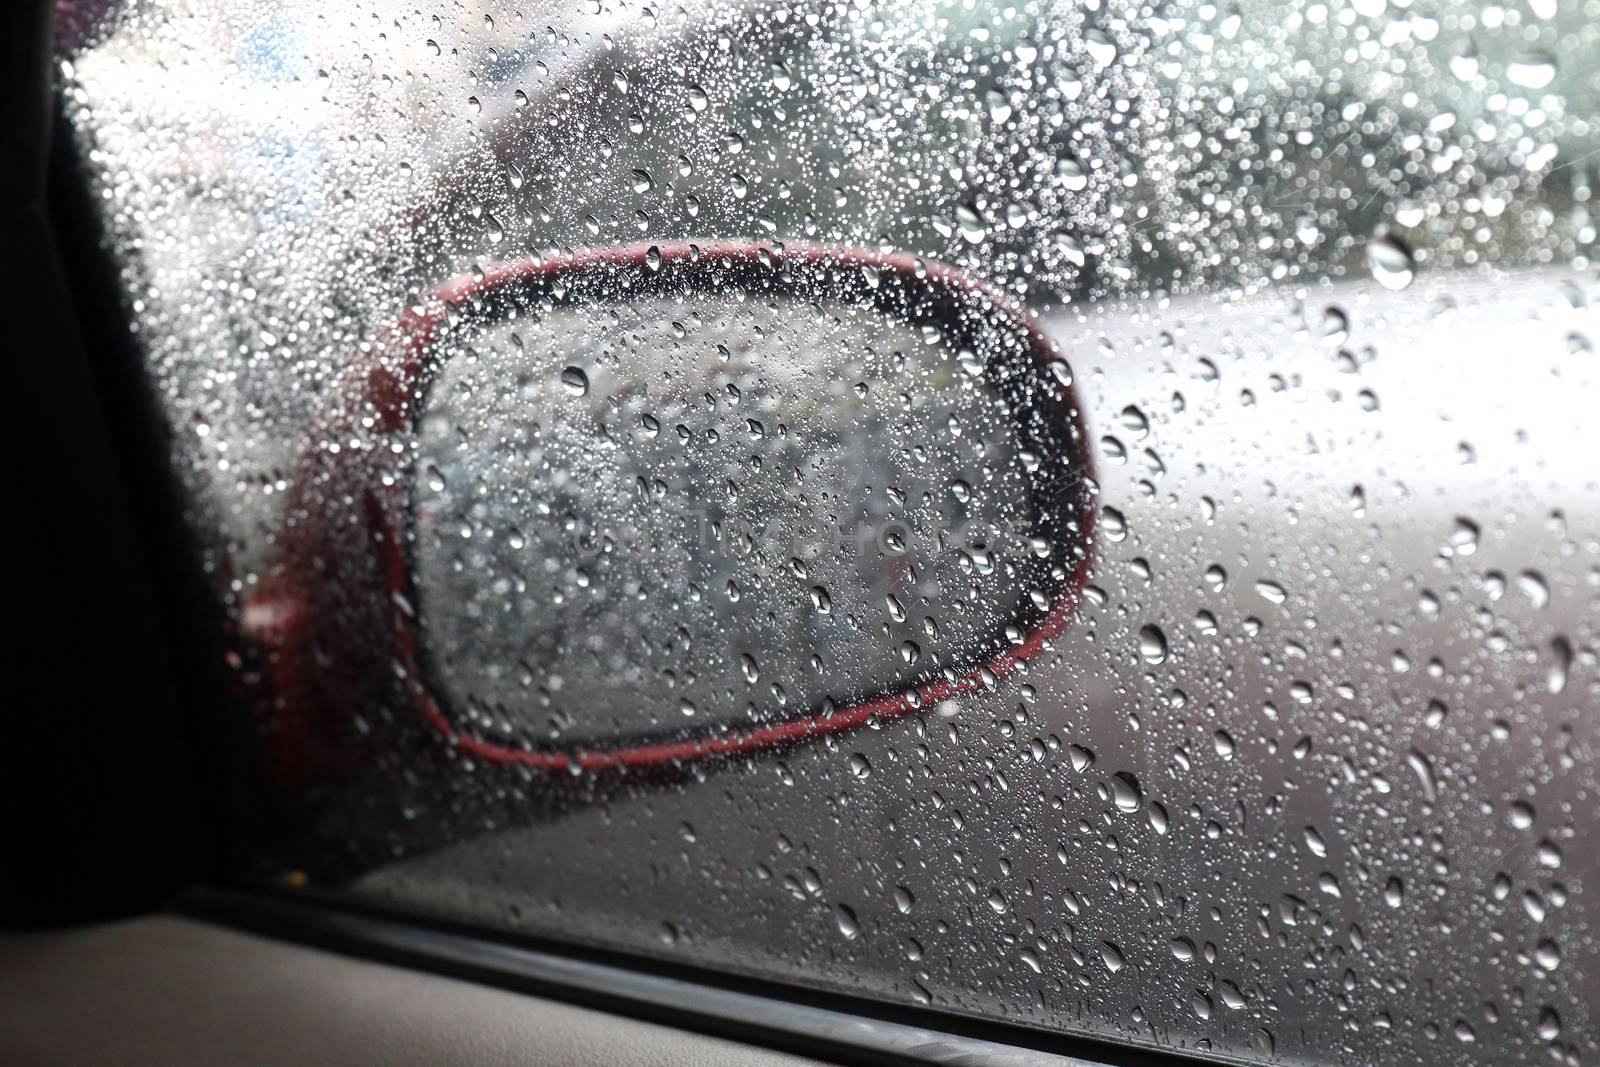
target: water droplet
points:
(1532, 71)
(1125, 792)
(1335, 325)
(575, 381)
(1152, 644)
(1101, 48)
(1534, 587)
(971, 223)
(1071, 174)
(1464, 60)
(845, 917)
(1272, 592)
(999, 105)
(1112, 956)
(1560, 665)
(1070, 247)
(1422, 767)
(1113, 524)
(1464, 537)
(1222, 741)
(1390, 261)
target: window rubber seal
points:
(837, 1027)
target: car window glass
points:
(1189, 639)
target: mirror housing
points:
(355, 635)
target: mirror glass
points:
(701, 510)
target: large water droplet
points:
(1071, 174)
(1464, 60)
(1112, 956)
(575, 381)
(1272, 591)
(1125, 792)
(1224, 744)
(1560, 665)
(1422, 767)
(1532, 71)
(1152, 644)
(1391, 261)
(971, 223)
(1101, 48)
(1534, 587)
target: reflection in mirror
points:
(718, 508)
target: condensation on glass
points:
(1302, 769)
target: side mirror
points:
(641, 506)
